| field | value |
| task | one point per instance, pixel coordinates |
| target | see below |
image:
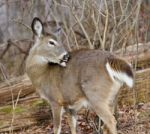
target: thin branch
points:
(84, 31)
(106, 25)
(5, 50)
(19, 48)
(4, 72)
(21, 23)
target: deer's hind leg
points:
(57, 117)
(113, 109)
(103, 111)
(107, 117)
(101, 106)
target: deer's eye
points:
(52, 43)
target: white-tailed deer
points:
(91, 78)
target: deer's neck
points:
(39, 69)
(36, 67)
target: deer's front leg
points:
(72, 120)
(57, 117)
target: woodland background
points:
(119, 26)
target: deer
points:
(70, 81)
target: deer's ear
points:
(37, 27)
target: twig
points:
(21, 23)
(96, 22)
(106, 25)
(75, 38)
(20, 49)
(5, 50)
(82, 27)
(3, 70)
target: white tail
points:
(89, 78)
(120, 76)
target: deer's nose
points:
(66, 57)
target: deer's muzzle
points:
(65, 59)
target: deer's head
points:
(46, 46)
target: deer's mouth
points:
(62, 61)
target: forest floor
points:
(131, 121)
(34, 117)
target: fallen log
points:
(139, 55)
(134, 50)
(15, 88)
